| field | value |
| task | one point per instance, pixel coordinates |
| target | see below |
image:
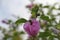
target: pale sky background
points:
(17, 7)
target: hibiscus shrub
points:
(41, 25)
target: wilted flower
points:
(56, 31)
(32, 27)
(29, 6)
(5, 21)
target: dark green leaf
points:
(40, 5)
(19, 21)
(35, 8)
(51, 38)
(21, 32)
(47, 6)
(45, 17)
(58, 26)
(44, 34)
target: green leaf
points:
(41, 11)
(58, 26)
(6, 36)
(44, 38)
(40, 5)
(35, 9)
(45, 17)
(16, 36)
(19, 21)
(47, 6)
(44, 34)
(51, 38)
(21, 32)
(33, 15)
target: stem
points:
(44, 38)
(33, 38)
